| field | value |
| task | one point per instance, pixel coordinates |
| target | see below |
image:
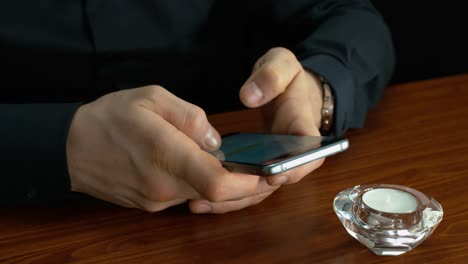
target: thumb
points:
(271, 75)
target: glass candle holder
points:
(388, 219)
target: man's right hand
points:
(145, 148)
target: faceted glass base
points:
(388, 219)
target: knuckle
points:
(195, 118)
(162, 194)
(152, 91)
(149, 95)
(273, 74)
(166, 195)
(277, 50)
(215, 192)
(259, 63)
(152, 207)
(284, 53)
(287, 57)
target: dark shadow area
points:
(429, 38)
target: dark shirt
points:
(59, 54)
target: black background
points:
(430, 37)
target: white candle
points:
(390, 200)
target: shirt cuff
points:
(34, 138)
(342, 85)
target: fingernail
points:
(203, 208)
(280, 180)
(210, 140)
(253, 94)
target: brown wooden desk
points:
(417, 136)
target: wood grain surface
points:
(416, 136)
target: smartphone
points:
(270, 154)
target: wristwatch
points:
(327, 107)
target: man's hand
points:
(291, 101)
(145, 148)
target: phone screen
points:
(257, 148)
(269, 154)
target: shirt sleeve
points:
(33, 151)
(347, 42)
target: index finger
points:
(188, 118)
(217, 184)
